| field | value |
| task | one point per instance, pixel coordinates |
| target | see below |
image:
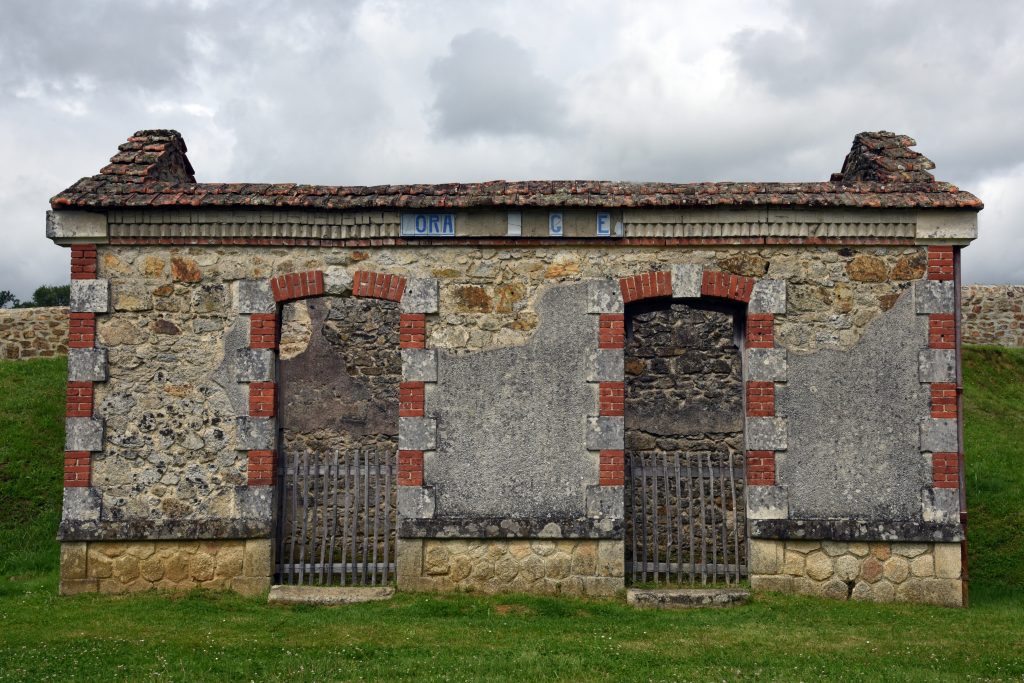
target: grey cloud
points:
(488, 84)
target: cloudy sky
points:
(379, 91)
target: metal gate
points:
(685, 518)
(336, 521)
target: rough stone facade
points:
(33, 332)
(124, 567)
(560, 566)
(810, 331)
(993, 314)
(877, 571)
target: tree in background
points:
(47, 295)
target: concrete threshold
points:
(686, 598)
(327, 595)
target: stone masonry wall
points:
(33, 332)
(879, 572)
(993, 314)
(171, 399)
(563, 566)
(117, 567)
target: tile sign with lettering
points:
(428, 225)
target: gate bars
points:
(336, 518)
(685, 518)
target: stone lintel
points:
(87, 365)
(768, 296)
(255, 365)
(508, 527)
(607, 365)
(686, 280)
(83, 434)
(947, 224)
(605, 433)
(90, 296)
(939, 436)
(255, 433)
(253, 296)
(766, 365)
(604, 296)
(420, 295)
(766, 434)
(67, 227)
(937, 365)
(934, 296)
(417, 433)
(419, 365)
(856, 530)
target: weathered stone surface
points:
(947, 560)
(417, 433)
(866, 268)
(686, 598)
(939, 436)
(416, 502)
(255, 365)
(33, 332)
(419, 365)
(934, 296)
(87, 365)
(606, 365)
(869, 401)
(604, 296)
(83, 434)
(768, 296)
(255, 433)
(847, 568)
(767, 365)
(686, 280)
(90, 296)
(897, 569)
(993, 314)
(421, 296)
(766, 557)
(819, 566)
(184, 269)
(73, 561)
(941, 506)
(328, 595)
(81, 504)
(767, 502)
(766, 433)
(605, 501)
(66, 226)
(770, 583)
(937, 365)
(253, 296)
(605, 433)
(337, 281)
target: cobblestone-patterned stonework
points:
(880, 572)
(122, 567)
(33, 332)
(339, 374)
(564, 566)
(993, 314)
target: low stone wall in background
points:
(33, 332)
(993, 314)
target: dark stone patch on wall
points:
(342, 391)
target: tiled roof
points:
(151, 169)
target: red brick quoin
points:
(81, 330)
(761, 468)
(83, 262)
(77, 467)
(946, 470)
(613, 468)
(411, 396)
(941, 331)
(261, 468)
(760, 399)
(940, 263)
(410, 468)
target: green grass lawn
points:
(203, 636)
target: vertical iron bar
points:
(725, 524)
(632, 512)
(294, 482)
(689, 513)
(643, 507)
(376, 512)
(387, 511)
(703, 528)
(735, 515)
(344, 517)
(324, 499)
(304, 505)
(334, 517)
(714, 524)
(355, 518)
(366, 513)
(654, 515)
(679, 521)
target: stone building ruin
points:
(549, 387)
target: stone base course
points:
(122, 567)
(566, 567)
(878, 572)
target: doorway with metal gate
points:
(684, 480)
(339, 373)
